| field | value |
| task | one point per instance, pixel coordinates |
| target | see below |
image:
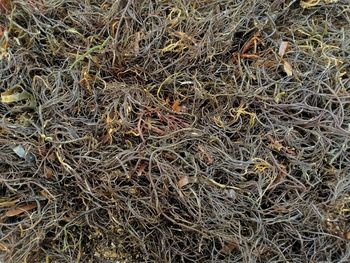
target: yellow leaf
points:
(261, 165)
(14, 95)
(10, 203)
(312, 3)
(279, 96)
(173, 47)
(309, 3)
(287, 68)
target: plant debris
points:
(174, 131)
(20, 210)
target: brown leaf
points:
(276, 145)
(229, 247)
(3, 247)
(49, 173)
(287, 68)
(250, 43)
(45, 194)
(20, 209)
(347, 235)
(183, 181)
(141, 169)
(176, 106)
(283, 48)
(51, 157)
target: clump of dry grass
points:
(174, 131)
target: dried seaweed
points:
(175, 131)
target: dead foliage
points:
(174, 131)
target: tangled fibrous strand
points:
(174, 131)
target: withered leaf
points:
(20, 209)
(287, 68)
(347, 235)
(312, 3)
(3, 247)
(185, 180)
(283, 48)
(229, 247)
(176, 106)
(8, 203)
(49, 173)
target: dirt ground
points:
(175, 131)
